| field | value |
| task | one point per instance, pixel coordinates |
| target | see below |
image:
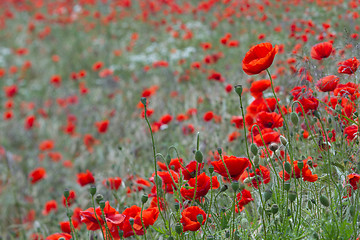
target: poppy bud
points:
(294, 118)
(102, 204)
(329, 120)
(223, 188)
(244, 223)
(254, 149)
(92, 190)
(131, 221)
(69, 213)
(210, 237)
(198, 156)
(256, 160)
(61, 238)
(227, 234)
(273, 147)
(144, 198)
(98, 198)
(121, 233)
(352, 210)
(300, 165)
(200, 218)
(177, 206)
(179, 228)
(211, 169)
(310, 163)
(219, 151)
(274, 208)
(330, 134)
(283, 140)
(309, 205)
(317, 114)
(287, 167)
(168, 160)
(324, 201)
(268, 194)
(238, 89)
(287, 186)
(292, 196)
(235, 186)
(143, 101)
(66, 193)
(171, 238)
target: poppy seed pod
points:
(102, 204)
(274, 208)
(143, 101)
(211, 169)
(239, 90)
(144, 198)
(235, 186)
(92, 190)
(273, 147)
(66, 193)
(292, 196)
(287, 186)
(99, 198)
(244, 223)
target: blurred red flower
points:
(85, 178)
(37, 174)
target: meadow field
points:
(179, 119)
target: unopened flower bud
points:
(300, 164)
(168, 160)
(287, 167)
(223, 188)
(254, 149)
(283, 140)
(177, 206)
(317, 114)
(324, 201)
(287, 186)
(178, 228)
(268, 194)
(199, 156)
(219, 151)
(131, 221)
(294, 118)
(244, 223)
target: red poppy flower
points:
(269, 136)
(149, 217)
(189, 218)
(305, 173)
(89, 142)
(113, 218)
(208, 116)
(85, 178)
(46, 145)
(349, 89)
(71, 199)
(354, 180)
(262, 176)
(351, 132)
(203, 186)
(269, 120)
(328, 83)
(65, 226)
(50, 206)
(244, 197)
(259, 58)
(29, 122)
(235, 165)
(10, 91)
(57, 236)
(175, 164)
(125, 226)
(112, 183)
(258, 87)
(190, 170)
(238, 121)
(37, 174)
(349, 66)
(321, 50)
(102, 126)
(166, 119)
(167, 180)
